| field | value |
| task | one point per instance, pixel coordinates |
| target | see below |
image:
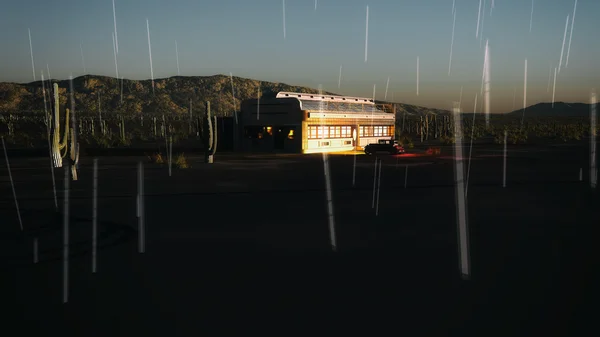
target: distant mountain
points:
(560, 109)
(174, 94)
(415, 110)
(171, 95)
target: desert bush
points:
(447, 140)
(405, 140)
(517, 136)
(181, 161)
(156, 158)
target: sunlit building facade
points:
(312, 123)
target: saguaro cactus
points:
(210, 135)
(60, 149)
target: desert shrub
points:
(96, 140)
(181, 161)
(517, 136)
(447, 140)
(405, 140)
(156, 158)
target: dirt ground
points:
(243, 245)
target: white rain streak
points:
(12, 184)
(100, 111)
(460, 98)
(504, 164)
(387, 85)
(327, 173)
(485, 60)
(177, 56)
(452, 43)
(482, 22)
(571, 34)
(461, 209)
(82, 59)
(554, 87)
(486, 96)
(233, 97)
(367, 35)
(283, 19)
(73, 118)
(453, 6)
(141, 211)
(373, 94)
(531, 17)
(167, 148)
(492, 7)
(66, 237)
(31, 52)
(593, 131)
(315, 4)
(48, 126)
(524, 93)
(340, 78)
(95, 217)
(115, 53)
(258, 102)
(471, 147)
(115, 21)
(150, 54)
(478, 19)
(378, 189)
(417, 76)
(562, 50)
(49, 81)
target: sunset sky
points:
(246, 38)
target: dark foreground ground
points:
(243, 245)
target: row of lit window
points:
(375, 131)
(315, 132)
(266, 131)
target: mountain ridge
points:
(175, 94)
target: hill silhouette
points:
(175, 94)
(170, 95)
(560, 109)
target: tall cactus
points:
(60, 149)
(210, 135)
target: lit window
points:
(320, 132)
(312, 132)
(326, 132)
(269, 130)
(291, 134)
(337, 132)
(361, 131)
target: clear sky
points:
(246, 37)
